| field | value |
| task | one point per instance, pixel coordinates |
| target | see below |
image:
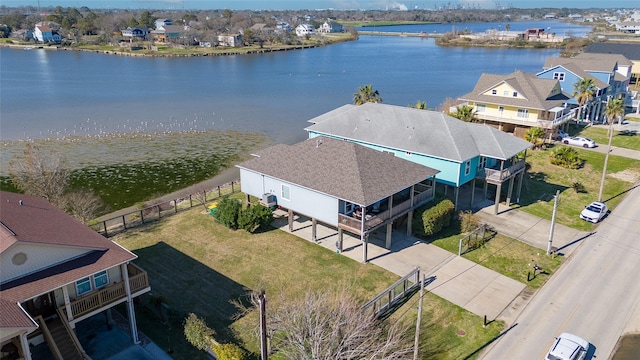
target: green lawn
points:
(504, 255)
(627, 140)
(544, 179)
(201, 267)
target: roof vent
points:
(318, 142)
(20, 202)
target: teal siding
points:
(451, 172)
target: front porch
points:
(384, 211)
(505, 170)
(107, 297)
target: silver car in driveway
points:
(594, 212)
(579, 141)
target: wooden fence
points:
(395, 293)
(121, 223)
(475, 239)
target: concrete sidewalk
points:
(531, 229)
(458, 280)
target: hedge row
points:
(430, 219)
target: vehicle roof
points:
(567, 345)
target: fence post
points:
(124, 223)
(190, 201)
(205, 195)
(141, 216)
(158, 211)
(175, 206)
(219, 193)
(104, 223)
(232, 190)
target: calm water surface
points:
(48, 93)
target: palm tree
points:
(533, 135)
(422, 105)
(584, 91)
(465, 113)
(366, 94)
(615, 109)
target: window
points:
(481, 108)
(494, 92)
(467, 167)
(523, 113)
(515, 94)
(286, 192)
(505, 93)
(558, 76)
(482, 163)
(83, 286)
(100, 279)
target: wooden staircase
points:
(63, 340)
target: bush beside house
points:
(231, 215)
(430, 219)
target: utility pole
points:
(262, 299)
(606, 160)
(416, 342)
(553, 221)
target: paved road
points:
(593, 295)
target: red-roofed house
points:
(54, 273)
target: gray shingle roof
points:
(418, 131)
(339, 168)
(630, 51)
(618, 59)
(537, 91)
(575, 69)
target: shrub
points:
(228, 212)
(254, 217)
(431, 218)
(578, 187)
(566, 157)
(229, 352)
(468, 221)
(197, 332)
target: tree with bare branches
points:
(41, 173)
(331, 325)
(83, 205)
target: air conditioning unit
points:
(269, 200)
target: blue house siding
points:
(304, 201)
(569, 78)
(450, 171)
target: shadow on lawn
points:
(535, 188)
(191, 287)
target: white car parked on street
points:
(568, 347)
(594, 212)
(579, 141)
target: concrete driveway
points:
(458, 280)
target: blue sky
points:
(319, 4)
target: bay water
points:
(55, 93)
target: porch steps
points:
(63, 340)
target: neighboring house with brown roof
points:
(340, 183)
(610, 74)
(44, 34)
(56, 272)
(516, 102)
(462, 152)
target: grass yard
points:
(506, 256)
(198, 266)
(544, 179)
(627, 140)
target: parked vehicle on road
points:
(568, 347)
(579, 141)
(561, 135)
(594, 212)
